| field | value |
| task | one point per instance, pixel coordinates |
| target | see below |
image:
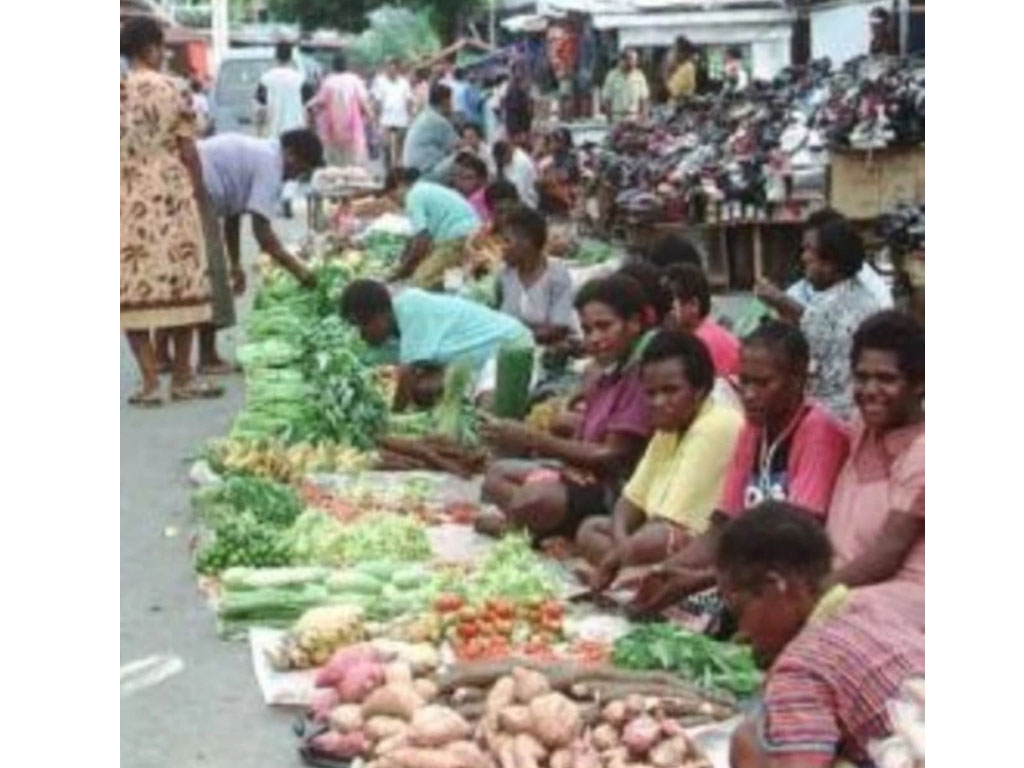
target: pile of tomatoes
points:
(501, 628)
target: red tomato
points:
(448, 602)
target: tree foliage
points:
(350, 15)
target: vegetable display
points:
(269, 502)
(513, 571)
(318, 538)
(711, 664)
(276, 460)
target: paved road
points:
(211, 713)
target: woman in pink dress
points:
(342, 110)
(876, 519)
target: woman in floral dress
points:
(164, 276)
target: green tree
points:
(341, 15)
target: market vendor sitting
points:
(790, 449)
(470, 179)
(532, 287)
(420, 328)
(833, 657)
(432, 141)
(587, 467)
(442, 220)
(691, 312)
(669, 498)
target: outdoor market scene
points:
(523, 384)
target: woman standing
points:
(343, 110)
(681, 74)
(164, 275)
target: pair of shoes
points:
(196, 390)
(143, 399)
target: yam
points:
(384, 727)
(525, 748)
(469, 755)
(426, 688)
(614, 713)
(340, 745)
(605, 736)
(507, 755)
(435, 726)
(529, 684)
(634, 704)
(323, 703)
(669, 753)
(556, 720)
(515, 719)
(561, 758)
(415, 757)
(640, 734)
(500, 696)
(341, 660)
(359, 679)
(347, 718)
(398, 672)
(392, 743)
(393, 700)
(585, 758)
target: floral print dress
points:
(164, 275)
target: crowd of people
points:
(772, 484)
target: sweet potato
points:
(562, 758)
(340, 745)
(393, 700)
(435, 726)
(341, 660)
(323, 703)
(634, 704)
(391, 743)
(347, 718)
(359, 679)
(640, 734)
(556, 720)
(469, 755)
(614, 713)
(426, 688)
(525, 753)
(398, 672)
(384, 727)
(515, 719)
(415, 757)
(507, 755)
(529, 684)
(605, 736)
(500, 696)
(669, 753)
(584, 757)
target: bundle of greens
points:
(241, 540)
(711, 664)
(512, 570)
(268, 502)
(317, 538)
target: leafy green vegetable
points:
(589, 252)
(317, 538)
(711, 664)
(242, 540)
(513, 570)
(269, 502)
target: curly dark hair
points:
(689, 350)
(895, 332)
(138, 34)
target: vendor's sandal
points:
(149, 399)
(164, 367)
(196, 390)
(222, 368)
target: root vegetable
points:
(584, 757)
(525, 749)
(605, 736)
(347, 718)
(398, 672)
(342, 660)
(529, 684)
(383, 727)
(323, 703)
(560, 759)
(469, 755)
(426, 688)
(501, 695)
(359, 679)
(462, 695)
(640, 734)
(669, 753)
(556, 720)
(614, 713)
(435, 726)
(392, 743)
(515, 719)
(394, 700)
(414, 757)
(634, 705)
(507, 755)
(340, 745)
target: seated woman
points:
(691, 312)
(531, 287)
(499, 198)
(790, 449)
(876, 520)
(833, 657)
(513, 164)
(442, 220)
(559, 174)
(470, 178)
(670, 497)
(659, 297)
(608, 439)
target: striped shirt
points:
(825, 695)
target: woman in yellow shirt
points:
(681, 79)
(671, 495)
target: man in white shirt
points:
(280, 95)
(513, 164)
(393, 96)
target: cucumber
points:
(382, 570)
(354, 582)
(410, 577)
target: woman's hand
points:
(507, 434)
(665, 587)
(607, 570)
(767, 291)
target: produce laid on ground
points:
(709, 663)
(274, 459)
(387, 704)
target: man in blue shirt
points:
(432, 329)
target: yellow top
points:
(683, 81)
(680, 478)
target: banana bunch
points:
(286, 463)
(316, 636)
